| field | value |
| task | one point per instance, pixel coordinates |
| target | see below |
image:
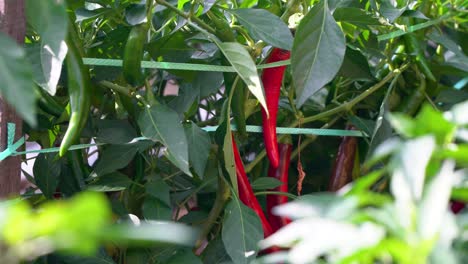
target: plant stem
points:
(222, 196)
(292, 196)
(149, 93)
(187, 16)
(124, 91)
(349, 105)
(117, 88)
(342, 108)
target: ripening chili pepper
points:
(272, 79)
(456, 206)
(280, 173)
(133, 55)
(246, 194)
(413, 47)
(79, 90)
(342, 172)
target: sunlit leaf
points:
(318, 52)
(240, 59)
(162, 124)
(17, 83)
(259, 23)
(49, 19)
(435, 202)
(242, 230)
(46, 173)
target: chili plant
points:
(205, 113)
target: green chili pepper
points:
(413, 47)
(225, 33)
(79, 90)
(133, 55)
(47, 102)
(76, 163)
(237, 103)
(413, 102)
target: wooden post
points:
(12, 23)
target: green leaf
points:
(313, 238)
(460, 194)
(186, 98)
(114, 131)
(265, 183)
(160, 123)
(49, 19)
(136, 14)
(402, 123)
(171, 48)
(355, 16)
(103, 258)
(208, 82)
(215, 253)
(240, 59)
(184, 256)
(111, 182)
(242, 230)
(448, 43)
(248, 3)
(448, 97)
(158, 232)
(409, 172)
(228, 151)
(428, 121)
(159, 190)
(46, 173)
(319, 205)
(458, 152)
(115, 157)
(199, 145)
(16, 75)
(68, 184)
(460, 60)
(154, 209)
(390, 12)
(265, 26)
(318, 52)
(412, 169)
(433, 206)
(458, 114)
(355, 66)
(382, 130)
(364, 183)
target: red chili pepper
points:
(246, 193)
(280, 173)
(342, 172)
(456, 206)
(272, 79)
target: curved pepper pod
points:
(133, 55)
(246, 194)
(272, 79)
(79, 90)
(280, 173)
(342, 172)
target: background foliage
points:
(396, 70)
